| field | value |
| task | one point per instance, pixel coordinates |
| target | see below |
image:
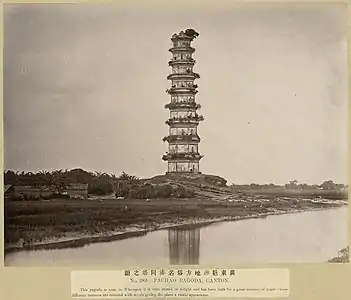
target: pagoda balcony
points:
(190, 74)
(188, 119)
(182, 48)
(187, 61)
(187, 155)
(176, 105)
(181, 138)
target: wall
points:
(194, 166)
(180, 43)
(77, 192)
(193, 148)
(183, 148)
(182, 131)
(182, 99)
(182, 69)
(182, 114)
(19, 192)
(183, 167)
(171, 167)
(182, 83)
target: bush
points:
(100, 188)
(152, 191)
(60, 196)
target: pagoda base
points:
(183, 166)
(183, 172)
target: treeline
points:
(58, 180)
(292, 185)
(99, 184)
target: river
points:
(312, 236)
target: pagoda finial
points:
(191, 33)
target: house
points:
(77, 190)
(8, 191)
(26, 192)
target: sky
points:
(84, 87)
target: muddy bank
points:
(215, 212)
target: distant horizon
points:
(118, 174)
(84, 87)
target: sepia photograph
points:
(165, 136)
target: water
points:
(301, 237)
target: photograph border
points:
(308, 280)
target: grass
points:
(39, 221)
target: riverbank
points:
(75, 223)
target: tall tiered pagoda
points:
(183, 140)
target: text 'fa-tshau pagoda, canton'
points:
(183, 140)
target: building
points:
(183, 139)
(78, 190)
(8, 191)
(26, 192)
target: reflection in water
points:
(294, 238)
(184, 246)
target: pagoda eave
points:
(181, 49)
(188, 157)
(183, 75)
(181, 62)
(185, 121)
(184, 106)
(182, 90)
(182, 138)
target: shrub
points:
(152, 191)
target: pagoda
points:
(183, 139)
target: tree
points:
(128, 178)
(293, 185)
(303, 186)
(10, 177)
(125, 183)
(254, 186)
(328, 185)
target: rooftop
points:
(188, 34)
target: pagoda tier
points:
(187, 120)
(183, 140)
(179, 105)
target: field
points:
(44, 221)
(282, 192)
